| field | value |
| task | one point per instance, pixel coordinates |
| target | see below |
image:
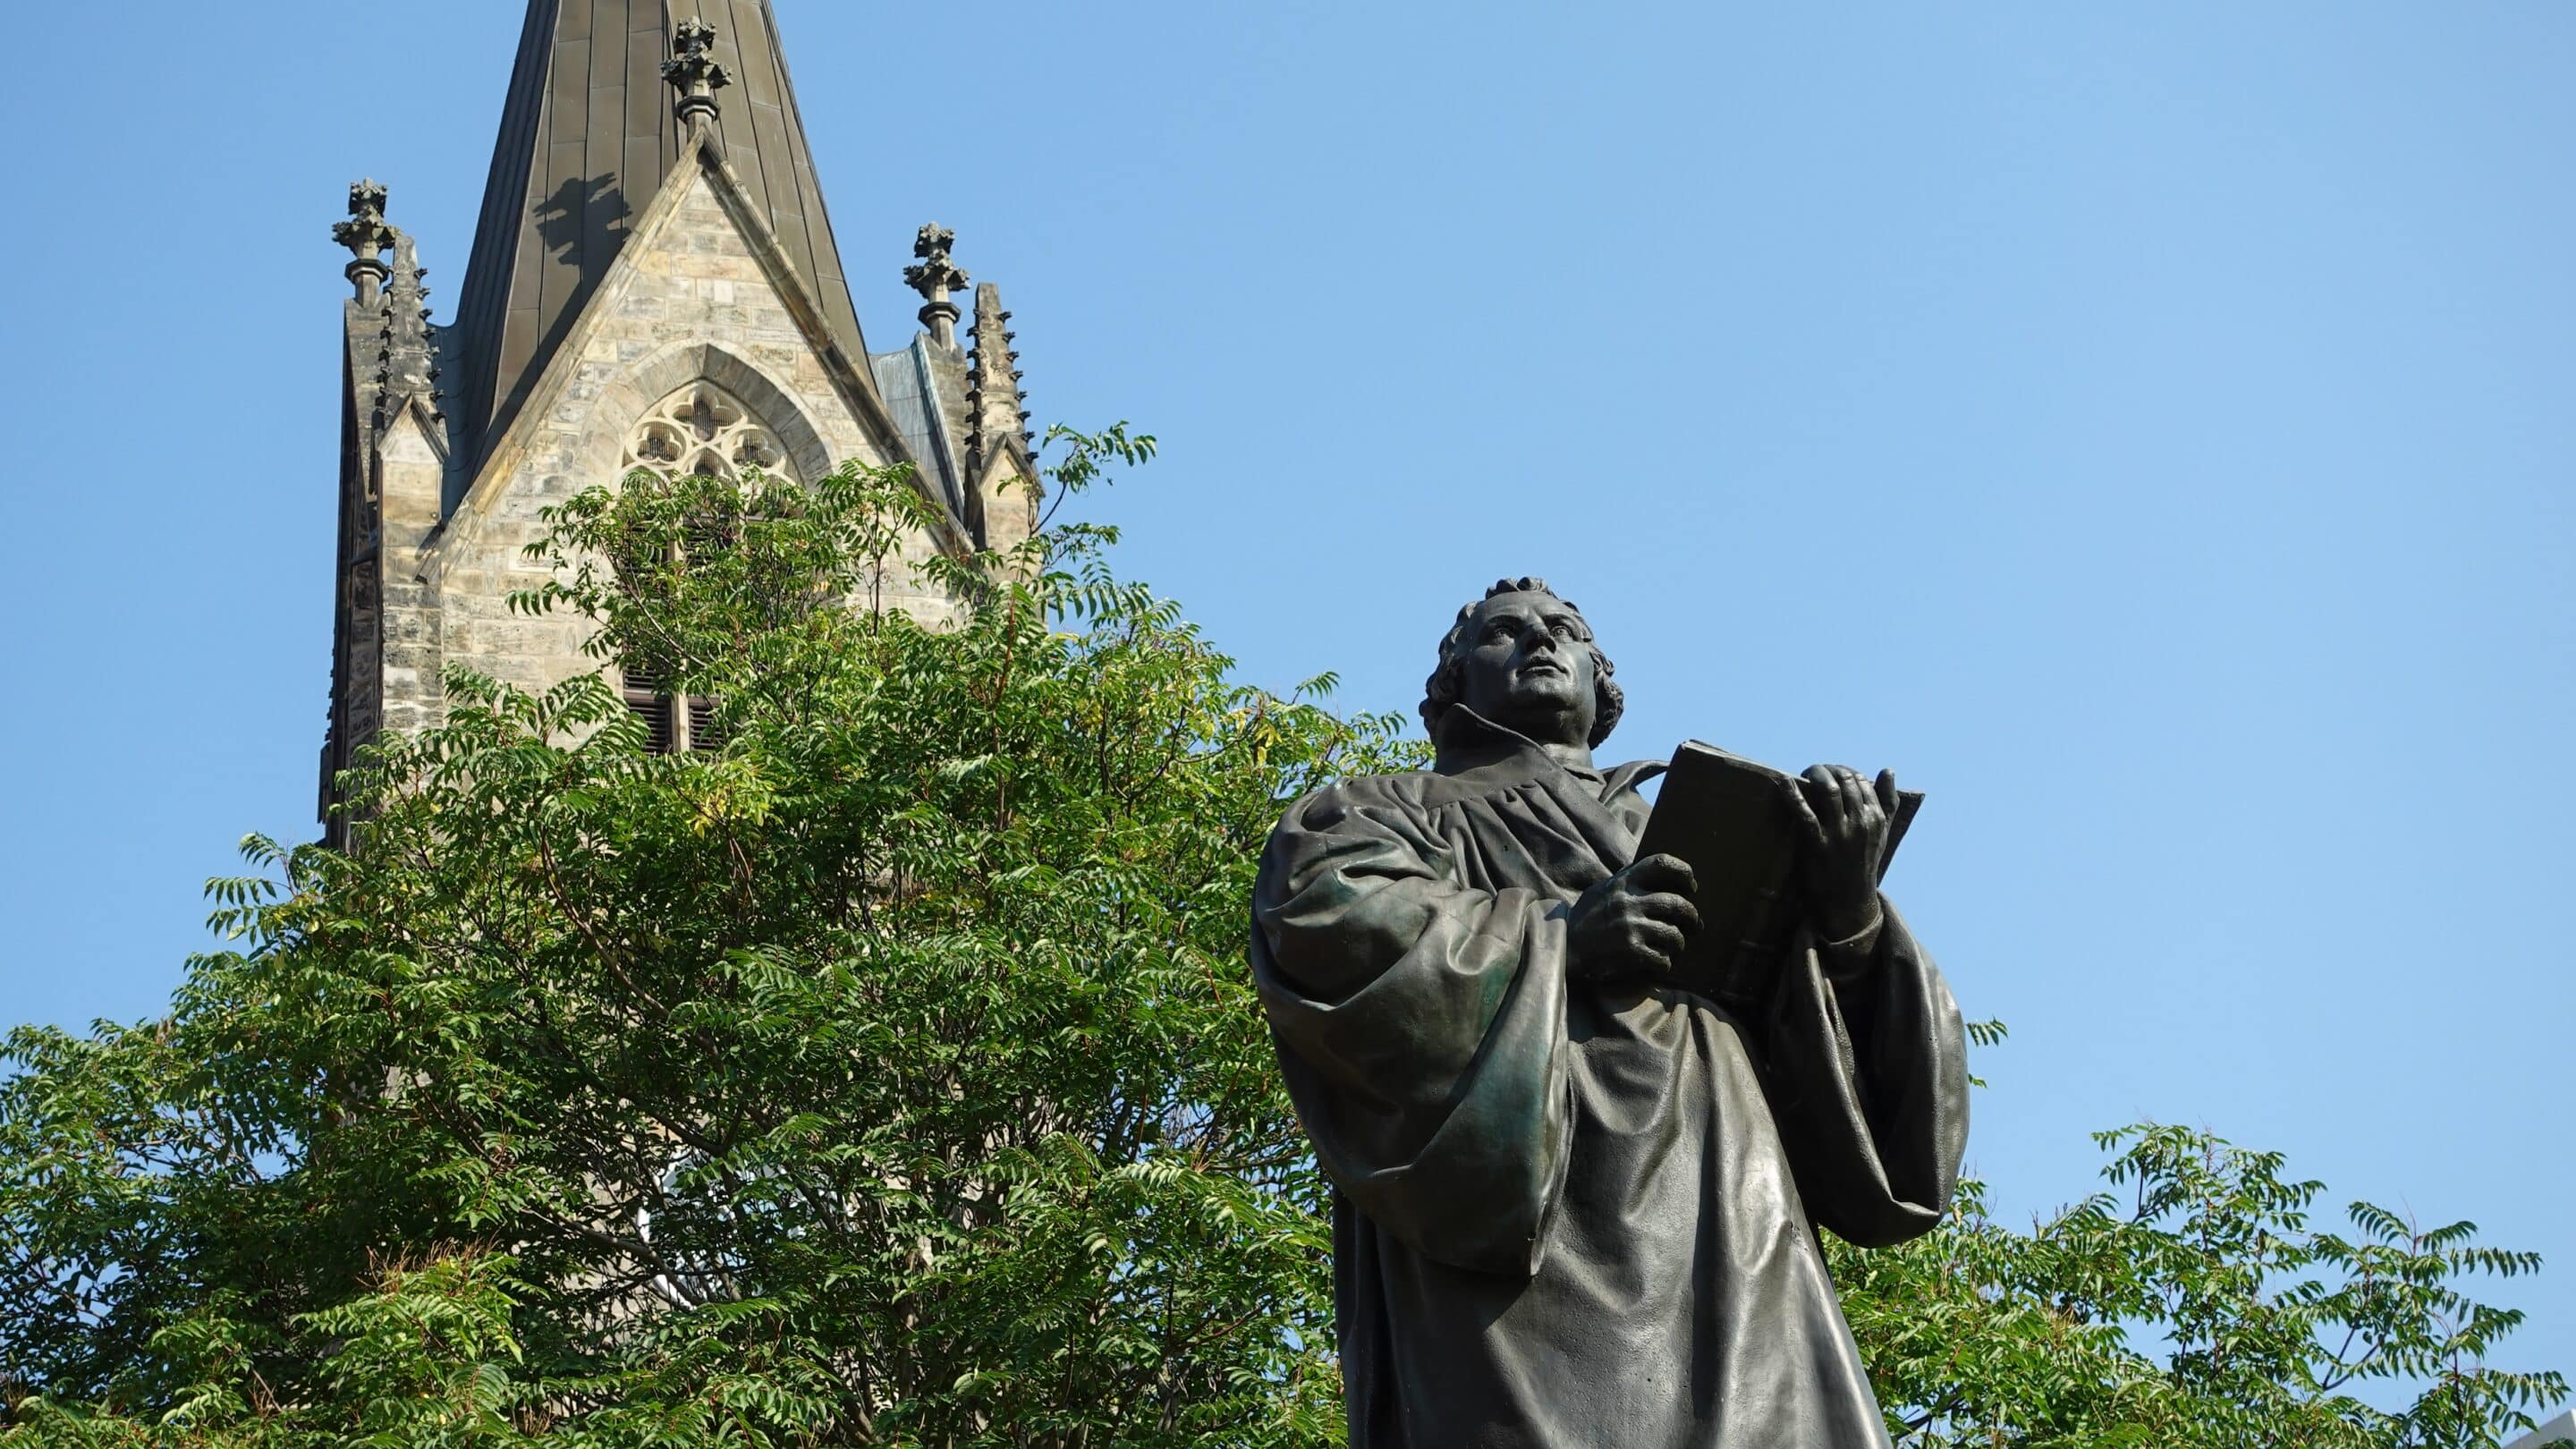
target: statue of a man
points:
(1576, 1206)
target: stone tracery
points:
(703, 430)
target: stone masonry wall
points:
(409, 479)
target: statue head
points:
(1524, 659)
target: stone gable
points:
(689, 301)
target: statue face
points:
(1527, 667)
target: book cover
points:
(1727, 817)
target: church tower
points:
(655, 282)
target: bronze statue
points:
(1576, 1205)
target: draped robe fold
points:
(1579, 1214)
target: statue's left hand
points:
(1845, 821)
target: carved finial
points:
(693, 72)
(366, 236)
(933, 277)
(410, 364)
(994, 396)
(935, 270)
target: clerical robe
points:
(1581, 1215)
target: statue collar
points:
(1481, 755)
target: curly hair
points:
(1446, 684)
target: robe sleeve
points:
(1866, 1067)
(1421, 1026)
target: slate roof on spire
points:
(587, 135)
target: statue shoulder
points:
(1327, 807)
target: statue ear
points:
(1440, 691)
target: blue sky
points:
(2147, 428)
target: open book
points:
(1727, 817)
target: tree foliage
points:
(2193, 1304)
(889, 1074)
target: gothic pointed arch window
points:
(704, 431)
(700, 431)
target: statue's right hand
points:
(1636, 922)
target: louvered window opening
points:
(672, 723)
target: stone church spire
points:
(588, 133)
(654, 286)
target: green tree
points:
(890, 1075)
(2193, 1304)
